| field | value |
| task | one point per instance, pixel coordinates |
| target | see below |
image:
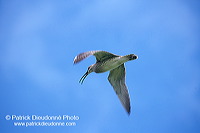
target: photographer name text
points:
(42, 117)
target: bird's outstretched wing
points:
(100, 56)
(117, 80)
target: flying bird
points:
(106, 61)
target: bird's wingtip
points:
(129, 113)
(75, 60)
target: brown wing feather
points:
(100, 56)
(82, 56)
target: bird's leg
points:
(83, 77)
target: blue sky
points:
(39, 40)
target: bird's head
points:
(90, 69)
(132, 57)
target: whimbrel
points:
(106, 61)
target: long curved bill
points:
(83, 77)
